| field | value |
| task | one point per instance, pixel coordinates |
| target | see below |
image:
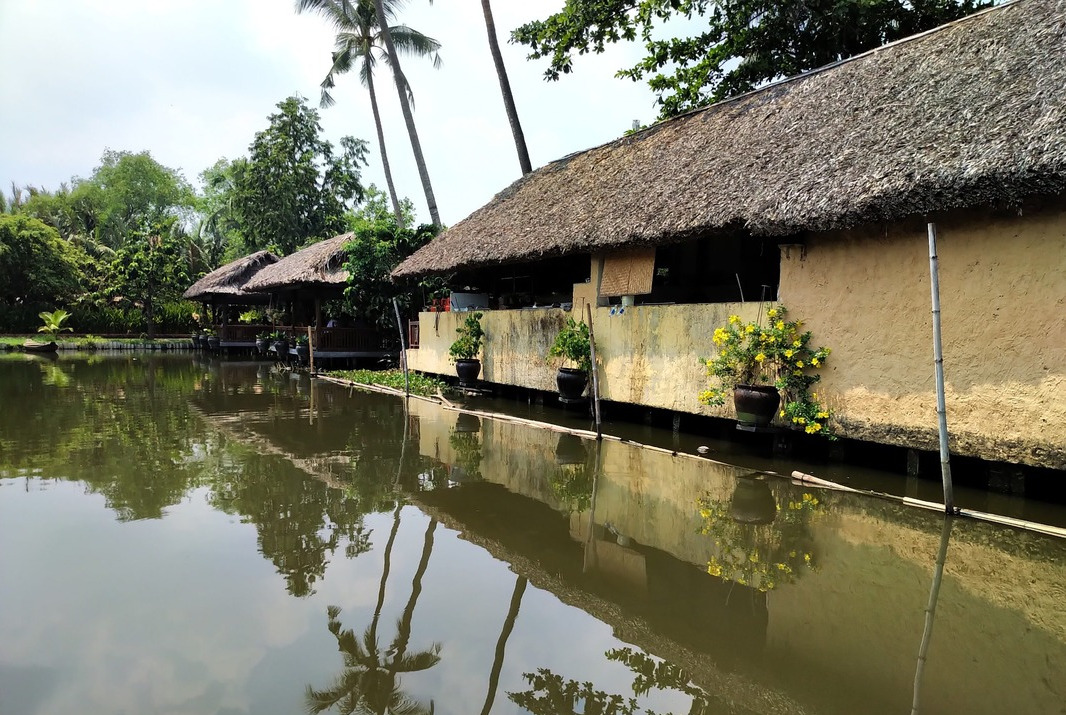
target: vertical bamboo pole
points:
(311, 348)
(403, 349)
(938, 361)
(595, 375)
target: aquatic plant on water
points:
(779, 353)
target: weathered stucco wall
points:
(866, 294)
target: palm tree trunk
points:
(405, 106)
(385, 568)
(381, 143)
(403, 636)
(505, 89)
(501, 644)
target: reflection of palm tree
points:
(501, 644)
(370, 682)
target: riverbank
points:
(93, 342)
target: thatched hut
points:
(227, 286)
(815, 191)
(301, 282)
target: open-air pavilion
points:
(226, 287)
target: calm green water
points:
(179, 536)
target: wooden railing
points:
(240, 333)
(350, 340)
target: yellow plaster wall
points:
(866, 294)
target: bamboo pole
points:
(595, 375)
(938, 361)
(403, 349)
(930, 612)
(311, 349)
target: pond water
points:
(181, 536)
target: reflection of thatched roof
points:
(319, 264)
(230, 280)
(970, 114)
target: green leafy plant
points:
(301, 340)
(53, 322)
(780, 354)
(250, 316)
(265, 335)
(277, 335)
(468, 344)
(573, 344)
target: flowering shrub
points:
(780, 354)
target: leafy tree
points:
(359, 42)
(219, 235)
(743, 44)
(129, 193)
(378, 245)
(151, 271)
(36, 265)
(295, 188)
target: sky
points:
(191, 81)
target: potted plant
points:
(303, 348)
(213, 341)
(767, 367)
(280, 343)
(262, 342)
(466, 348)
(572, 344)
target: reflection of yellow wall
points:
(864, 293)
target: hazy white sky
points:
(193, 80)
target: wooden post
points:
(403, 350)
(595, 375)
(938, 362)
(311, 349)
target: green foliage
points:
(378, 245)
(573, 344)
(295, 187)
(739, 46)
(779, 353)
(250, 316)
(151, 270)
(420, 384)
(468, 344)
(53, 322)
(36, 265)
(550, 694)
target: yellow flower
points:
(780, 325)
(796, 343)
(823, 415)
(814, 361)
(720, 336)
(772, 312)
(734, 319)
(788, 353)
(782, 413)
(750, 329)
(799, 363)
(813, 427)
(760, 357)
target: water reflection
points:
(930, 611)
(645, 582)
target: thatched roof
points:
(229, 281)
(969, 114)
(320, 264)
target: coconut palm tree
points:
(505, 89)
(359, 42)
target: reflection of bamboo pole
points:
(403, 349)
(311, 349)
(938, 361)
(930, 612)
(590, 552)
(595, 375)
(501, 644)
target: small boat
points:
(33, 346)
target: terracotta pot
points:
(571, 382)
(756, 405)
(467, 370)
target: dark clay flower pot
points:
(281, 347)
(261, 345)
(303, 352)
(571, 383)
(214, 342)
(467, 370)
(756, 405)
